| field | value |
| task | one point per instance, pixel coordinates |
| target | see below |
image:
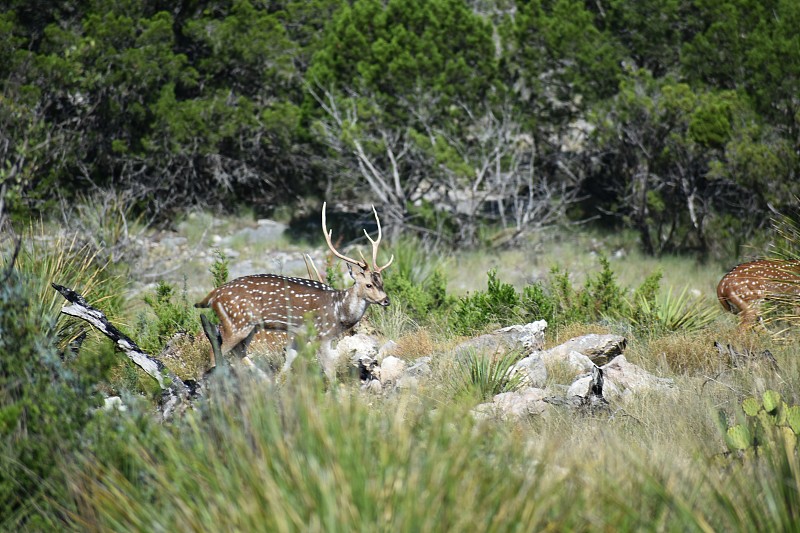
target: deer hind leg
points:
(291, 355)
(238, 342)
(748, 311)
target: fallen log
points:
(175, 392)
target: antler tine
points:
(309, 265)
(375, 245)
(328, 234)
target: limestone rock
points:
(598, 348)
(523, 338)
(532, 370)
(514, 405)
(391, 369)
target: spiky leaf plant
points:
(482, 376)
(675, 312)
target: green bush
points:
(171, 317)
(416, 283)
(557, 301)
(499, 304)
(45, 401)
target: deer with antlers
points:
(280, 305)
(746, 285)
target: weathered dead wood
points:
(745, 357)
(175, 391)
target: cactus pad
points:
(793, 418)
(751, 406)
(738, 437)
(772, 400)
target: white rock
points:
(579, 362)
(391, 369)
(114, 403)
(358, 346)
(532, 370)
(520, 404)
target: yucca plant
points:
(483, 376)
(674, 312)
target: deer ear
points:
(350, 271)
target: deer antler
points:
(364, 265)
(310, 265)
(375, 245)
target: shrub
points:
(171, 317)
(417, 283)
(45, 402)
(500, 304)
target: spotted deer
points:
(280, 305)
(747, 285)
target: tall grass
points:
(259, 458)
(62, 259)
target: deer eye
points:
(369, 285)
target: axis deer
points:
(746, 285)
(279, 305)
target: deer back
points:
(276, 302)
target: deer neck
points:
(350, 307)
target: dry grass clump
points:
(186, 355)
(560, 373)
(415, 344)
(679, 353)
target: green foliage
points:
(670, 312)
(558, 302)
(66, 261)
(45, 402)
(219, 268)
(416, 282)
(309, 447)
(498, 305)
(768, 423)
(392, 49)
(171, 317)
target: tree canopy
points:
(678, 119)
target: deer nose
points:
(385, 302)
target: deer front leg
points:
(328, 359)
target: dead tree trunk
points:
(175, 392)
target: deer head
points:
(368, 280)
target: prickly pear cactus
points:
(751, 406)
(738, 437)
(772, 400)
(793, 418)
(768, 421)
